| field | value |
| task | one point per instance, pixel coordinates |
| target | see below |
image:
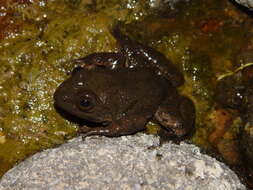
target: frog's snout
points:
(61, 96)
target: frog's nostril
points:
(65, 98)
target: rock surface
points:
(246, 3)
(129, 162)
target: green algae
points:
(35, 60)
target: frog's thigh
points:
(178, 116)
(141, 55)
(105, 59)
(131, 124)
(124, 126)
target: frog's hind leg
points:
(140, 55)
(124, 126)
(104, 59)
(177, 116)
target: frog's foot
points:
(100, 131)
(104, 59)
(124, 126)
(172, 123)
(177, 117)
(109, 131)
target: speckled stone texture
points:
(246, 3)
(129, 162)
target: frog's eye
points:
(85, 102)
(76, 69)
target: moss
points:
(37, 58)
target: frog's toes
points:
(172, 123)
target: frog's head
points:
(78, 96)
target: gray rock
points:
(246, 3)
(129, 162)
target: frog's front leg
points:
(177, 116)
(124, 126)
(104, 59)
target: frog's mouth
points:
(80, 119)
(67, 108)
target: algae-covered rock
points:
(37, 56)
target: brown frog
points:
(123, 91)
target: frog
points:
(122, 91)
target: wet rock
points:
(129, 162)
(247, 144)
(246, 3)
(236, 91)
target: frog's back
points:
(141, 90)
(143, 82)
(129, 91)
